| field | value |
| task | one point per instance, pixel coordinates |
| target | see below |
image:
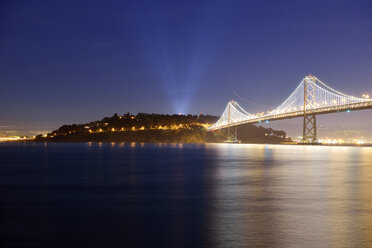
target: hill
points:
(157, 128)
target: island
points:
(156, 128)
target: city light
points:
(16, 138)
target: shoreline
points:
(198, 143)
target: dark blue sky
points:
(76, 61)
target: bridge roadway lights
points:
(309, 130)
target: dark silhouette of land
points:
(158, 128)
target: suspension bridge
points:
(312, 97)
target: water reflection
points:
(292, 196)
(185, 195)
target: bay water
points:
(184, 195)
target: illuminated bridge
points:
(311, 97)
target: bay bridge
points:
(312, 97)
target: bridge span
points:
(312, 97)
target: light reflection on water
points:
(185, 195)
(293, 196)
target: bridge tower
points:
(309, 126)
(232, 132)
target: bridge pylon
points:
(232, 132)
(309, 130)
(309, 127)
(232, 135)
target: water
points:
(158, 195)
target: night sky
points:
(76, 61)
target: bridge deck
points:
(290, 115)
